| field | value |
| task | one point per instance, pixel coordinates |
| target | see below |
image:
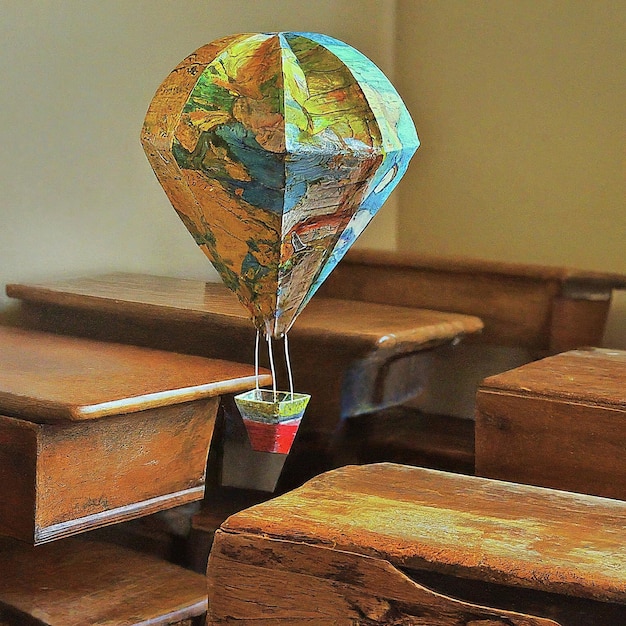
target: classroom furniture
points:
(94, 434)
(79, 582)
(392, 544)
(352, 357)
(529, 311)
(557, 422)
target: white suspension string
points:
(288, 360)
(271, 354)
(256, 360)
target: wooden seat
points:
(76, 582)
(558, 422)
(391, 544)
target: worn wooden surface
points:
(94, 434)
(77, 582)
(255, 579)
(388, 520)
(66, 478)
(205, 318)
(559, 422)
(46, 377)
(541, 308)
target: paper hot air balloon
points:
(276, 150)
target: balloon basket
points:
(271, 418)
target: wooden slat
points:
(461, 525)
(77, 582)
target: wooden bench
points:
(78, 582)
(528, 311)
(391, 544)
(558, 422)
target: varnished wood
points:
(363, 328)
(329, 338)
(78, 582)
(521, 305)
(47, 378)
(93, 433)
(383, 521)
(558, 422)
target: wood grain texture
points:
(77, 582)
(559, 422)
(362, 327)
(465, 526)
(46, 377)
(254, 579)
(61, 479)
(190, 316)
(98, 433)
(531, 306)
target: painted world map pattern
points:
(276, 150)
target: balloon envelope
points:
(276, 150)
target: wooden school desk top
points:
(362, 326)
(466, 526)
(46, 377)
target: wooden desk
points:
(559, 422)
(541, 308)
(353, 357)
(390, 544)
(529, 311)
(94, 433)
(75, 582)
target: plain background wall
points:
(518, 103)
(77, 194)
(520, 107)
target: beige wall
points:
(76, 77)
(520, 108)
(518, 103)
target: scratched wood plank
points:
(460, 525)
(76, 582)
(254, 578)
